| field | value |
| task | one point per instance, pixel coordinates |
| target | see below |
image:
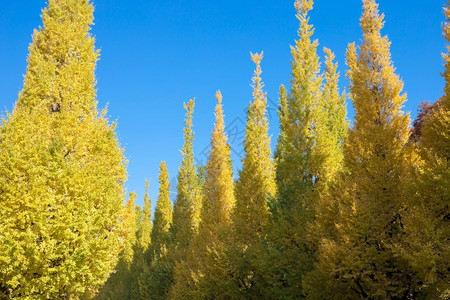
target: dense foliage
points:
(61, 168)
(337, 212)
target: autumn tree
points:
(118, 285)
(255, 187)
(61, 168)
(186, 214)
(427, 239)
(299, 111)
(309, 154)
(201, 276)
(155, 281)
(361, 261)
(143, 231)
(333, 135)
(163, 215)
(187, 208)
(425, 111)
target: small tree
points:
(156, 279)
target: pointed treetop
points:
(371, 71)
(304, 6)
(63, 44)
(163, 212)
(331, 76)
(189, 107)
(220, 123)
(187, 207)
(330, 56)
(145, 229)
(351, 57)
(257, 85)
(446, 27)
(163, 173)
(257, 57)
(188, 132)
(219, 97)
(371, 20)
(257, 178)
(147, 184)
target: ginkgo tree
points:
(62, 170)
(201, 274)
(361, 260)
(338, 213)
(254, 190)
(309, 154)
(157, 274)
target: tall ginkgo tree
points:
(62, 170)
(361, 260)
(157, 275)
(309, 154)
(255, 188)
(201, 274)
(187, 207)
(333, 135)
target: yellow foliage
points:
(61, 168)
(254, 189)
(200, 276)
(426, 243)
(372, 189)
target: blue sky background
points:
(157, 54)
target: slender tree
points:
(61, 168)
(163, 215)
(309, 154)
(332, 137)
(254, 189)
(157, 274)
(187, 208)
(298, 113)
(362, 262)
(144, 227)
(201, 275)
(186, 215)
(335, 111)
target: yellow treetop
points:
(146, 226)
(163, 214)
(219, 190)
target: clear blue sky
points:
(157, 54)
